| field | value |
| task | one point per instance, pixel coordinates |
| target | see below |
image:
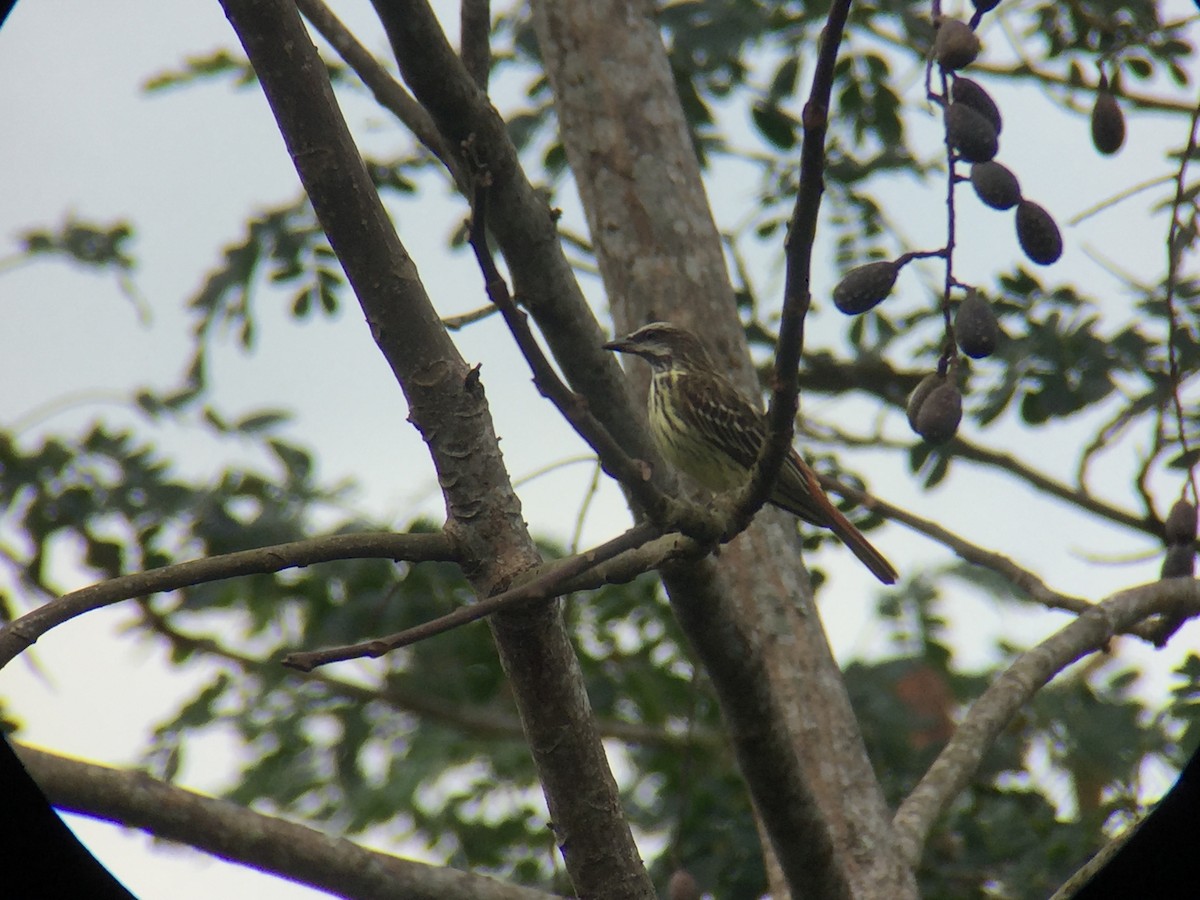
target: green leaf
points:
(199, 68)
(104, 556)
(783, 82)
(775, 125)
(297, 462)
(257, 423)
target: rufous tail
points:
(846, 532)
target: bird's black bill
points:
(620, 345)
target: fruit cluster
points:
(935, 407)
(972, 126)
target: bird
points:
(704, 426)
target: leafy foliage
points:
(109, 493)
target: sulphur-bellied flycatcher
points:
(705, 427)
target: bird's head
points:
(664, 346)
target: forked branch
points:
(1031, 671)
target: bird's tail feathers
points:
(861, 547)
(814, 507)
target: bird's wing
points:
(717, 408)
(719, 411)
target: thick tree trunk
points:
(750, 617)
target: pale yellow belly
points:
(690, 454)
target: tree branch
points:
(630, 564)
(524, 226)
(1027, 71)
(542, 585)
(630, 473)
(386, 90)
(1044, 483)
(474, 721)
(1023, 71)
(239, 835)
(1019, 577)
(994, 709)
(798, 246)
(475, 27)
(446, 403)
(750, 616)
(20, 634)
(825, 373)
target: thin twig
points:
(20, 634)
(825, 374)
(584, 508)
(547, 583)
(1117, 198)
(1026, 70)
(475, 26)
(461, 321)
(1174, 254)
(631, 473)
(1141, 481)
(1077, 496)
(797, 291)
(1021, 578)
(1046, 484)
(540, 471)
(1108, 434)
(474, 721)
(949, 354)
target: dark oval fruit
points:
(970, 134)
(1180, 526)
(923, 389)
(975, 326)
(971, 93)
(1108, 122)
(995, 185)
(864, 287)
(1180, 562)
(985, 5)
(1038, 235)
(956, 45)
(939, 415)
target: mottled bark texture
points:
(750, 615)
